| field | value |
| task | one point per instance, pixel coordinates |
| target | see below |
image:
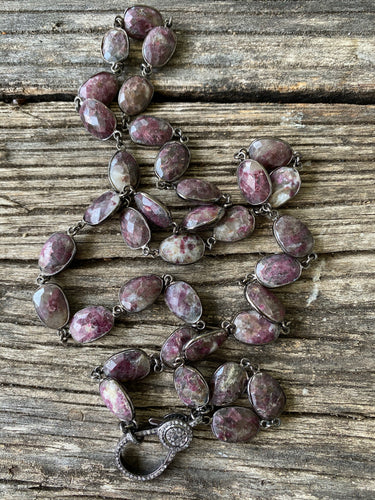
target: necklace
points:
(268, 176)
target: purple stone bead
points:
(51, 306)
(254, 182)
(102, 208)
(270, 152)
(293, 236)
(227, 384)
(278, 270)
(135, 95)
(191, 387)
(140, 19)
(237, 223)
(139, 293)
(56, 254)
(173, 346)
(203, 345)
(115, 45)
(253, 328)
(159, 46)
(183, 301)
(123, 170)
(150, 131)
(202, 217)
(134, 228)
(153, 209)
(172, 161)
(103, 87)
(266, 395)
(91, 323)
(182, 249)
(127, 365)
(265, 302)
(97, 119)
(235, 424)
(198, 190)
(286, 182)
(116, 399)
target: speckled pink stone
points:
(191, 387)
(135, 95)
(127, 365)
(115, 45)
(265, 302)
(182, 249)
(140, 19)
(102, 208)
(253, 328)
(235, 424)
(56, 254)
(153, 209)
(198, 190)
(172, 161)
(266, 396)
(150, 131)
(205, 344)
(286, 182)
(277, 270)
(134, 228)
(227, 384)
(183, 301)
(173, 346)
(202, 217)
(254, 182)
(159, 46)
(123, 170)
(270, 152)
(91, 323)
(97, 119)
(293, 236)
(103, 87)
(51, 305)
(237, 223)
(116, 399)
(139, 293)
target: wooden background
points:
(301, 70)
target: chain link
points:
(77, 103)
(210, 242)
(241, 155)
(117, 68)
(119, 22)
(249, 278)
(168, 22)
(97, 373)
(285, 327)
(180, 135)
(297, 163)
(164, 185)
(146, 70)
(148, 252)
(267, 210)
(305, 263)
(228, 326)
(73, 230)
(41, 279)
(247, 365)
(266, 424)
(63, 334)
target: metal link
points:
(179, 361)
(228, 326)
(118, 22)
(285, 327)
(147, 252)
(180, 135)
(146, 69)
(249, 278)
(73, 230)
(41, 279)
(117, 68)
(97, 373)
(199, 325)
(167, 279)
(210, 242)
(241, 155)
(117, 135)
(296, 161)
(226, 199)
(157, 363)
(63, 334)
(305, 263)
(201, 415)
(77, 103)
(267, 211)
(168, 22)
(126, 195)
(131, 427)
(176, 228)
(118, 310)
(164, 185)
(266, 424)
(248, 366)
(125, 120)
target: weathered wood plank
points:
(282, 49)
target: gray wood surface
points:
(56, 436)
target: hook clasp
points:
(174, 433)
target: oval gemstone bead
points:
(97, 119)
(254, 182)
(116, 399)
(134, 228)
(278, 270)
(253, 328)
(183, 301)
(286, 182)
(265, 302)
(191, 387)
(182, 249)
(140, 19)
(135, 95)
(115, 45)
(227, 384)
(51, 306)
(103, 87)
(235, 424)
(150, 131)
(293, 236)
(202, 217)
(270, 152)
(237, 223)
(266, 395)
(173, 346)
(205, 344)
(139, 293)
(56, 254)
(127, 365)
(102, 208)
(91, 323)
(159, 46)
(153, 209)
(123, 170)
(198, 190)
(172, 161)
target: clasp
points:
(174, 433)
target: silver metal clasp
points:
(174, 433)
